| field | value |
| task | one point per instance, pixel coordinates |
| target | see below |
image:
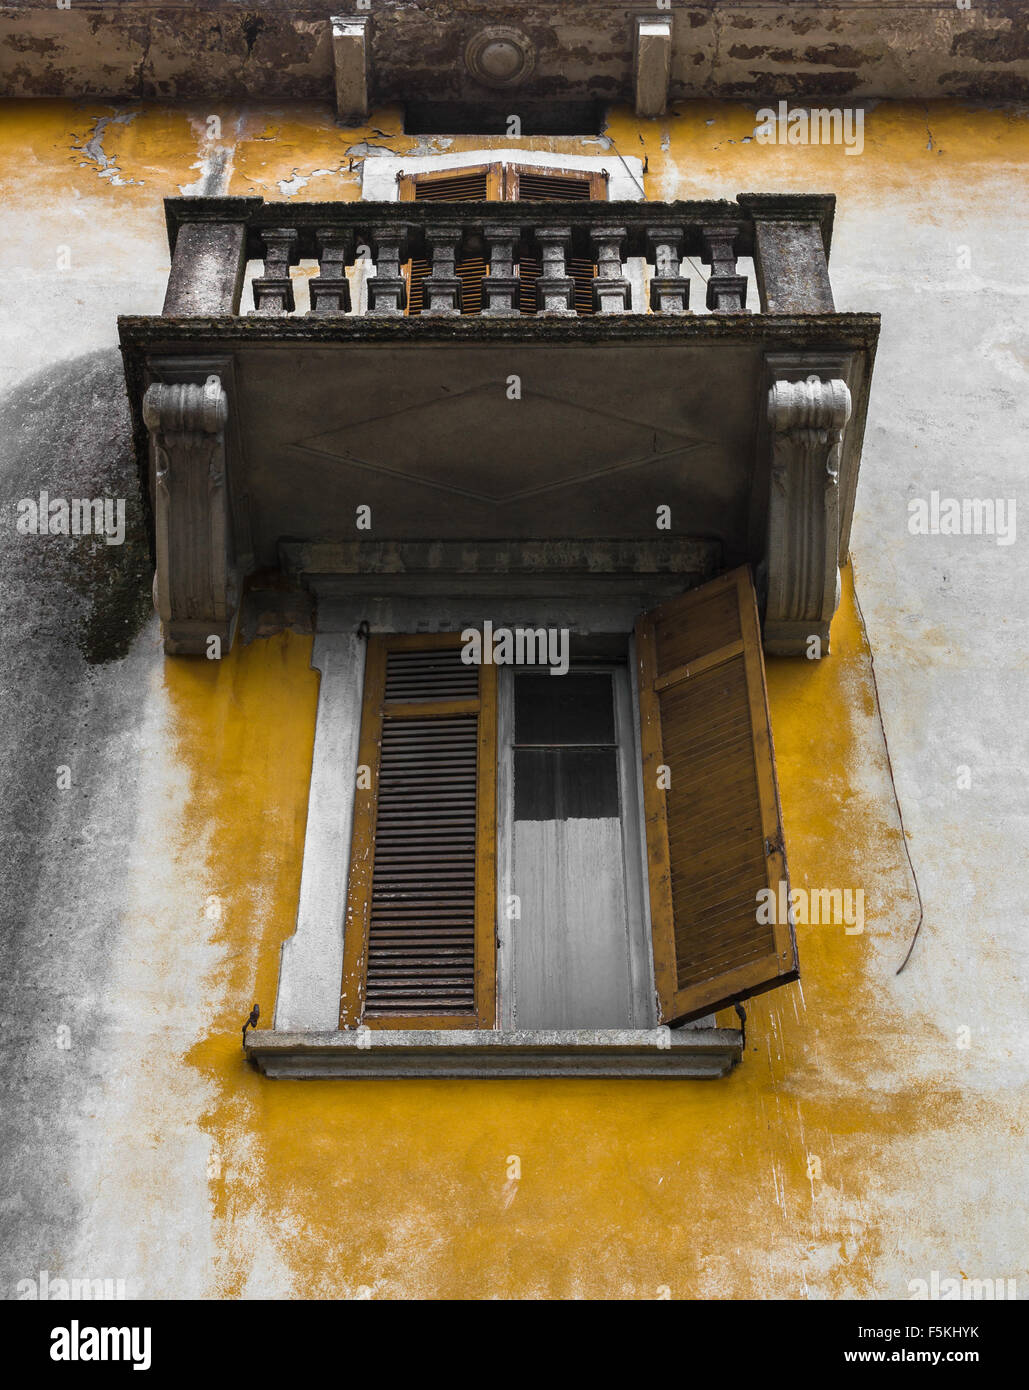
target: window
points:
(498, 182)
(424, 913)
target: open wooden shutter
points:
(420, 941)
(713, 824)
(482, 183)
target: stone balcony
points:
(520, 377)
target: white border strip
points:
(624, 184)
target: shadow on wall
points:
(74, 554)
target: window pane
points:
(565, 783)
(577, 708)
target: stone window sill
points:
(651, 1054)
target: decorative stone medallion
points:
(499, 56)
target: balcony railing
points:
(356, 254)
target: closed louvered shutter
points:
(532, 186)
(478, 185)
(419, 947)
(490, 183)
(713, 825)
(581, 271)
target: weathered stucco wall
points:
(867, 1139)
(282, 50)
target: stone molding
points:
(311, 961)
(491, 1054)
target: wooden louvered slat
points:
(541, 186)
(534, 186)
(714, 836)
(417, 270)
(551, 188)
(581, 271)
(470, 272)
(419, 949)
(430, 675)
(456, 187)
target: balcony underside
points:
(615, 416)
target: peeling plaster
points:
(293, 185)
(93, 149)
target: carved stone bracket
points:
(807, 420)
(197, 586)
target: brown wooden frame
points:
(597, 179)
(407, 183)
(502, 180)
(362, 859)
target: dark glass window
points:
(565, 755)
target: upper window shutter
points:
(711, 801)
(420, 942)
(530, 185)
(479, 183)
(493, 183)
(482, 183)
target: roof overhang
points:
(490, 53)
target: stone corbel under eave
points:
(807, 420)
(197, 587)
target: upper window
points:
(499, 182)
(502, 805)
(622, 174)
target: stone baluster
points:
(273, 292)
(669, 290)
(442, 286)
(612, 293)
(387, 288)
(501, 285)
(555, 288)
(726, 291)
(330, 289)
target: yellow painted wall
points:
(848, 1154)
(402, 1188)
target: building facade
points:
(630, 395)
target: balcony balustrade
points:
(213, 239)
